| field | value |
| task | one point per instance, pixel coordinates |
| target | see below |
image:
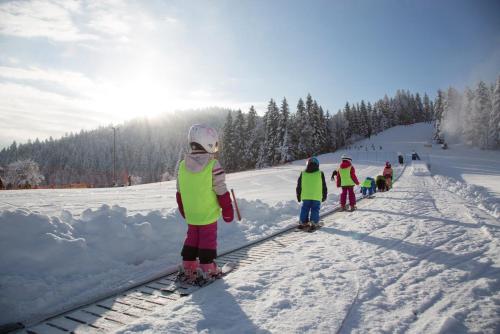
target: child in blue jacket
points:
(311, 191)
(368, 186)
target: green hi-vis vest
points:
(311, 186)
(198, 198)
(367, 183)
(345, 177)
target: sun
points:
(140, 96)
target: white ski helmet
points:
(345, 157)
(205, 136)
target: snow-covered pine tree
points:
(340, 128)
(285, 151)
(317, 127)
(375, 119)
(306, 145)
(389, 112)
(363, 119)
(438, 113)
(323, 131)
(494, 126)
(419, 111)
(356, 120)
(369, 118)
(271, 136)
(239, 140)
(284, 118)
(330, 133)
(252, 139)
(427, 111)
(296, 122)
(469, 131)
(482, 114)
(228, 155)
(347, 115)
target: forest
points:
(148, 150)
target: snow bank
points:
(48, 260)
(477, 195)
(35, 242)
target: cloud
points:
(42, 103)
(50, 19)
(73, 21)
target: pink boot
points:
(209, 270)
(189, 269)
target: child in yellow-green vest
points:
(311, 190)
(368, 187)
(201, 196)
(346, 179)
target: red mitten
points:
(227, 207)
(179, 204)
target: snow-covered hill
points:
(60, 247)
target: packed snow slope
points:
(416, 259)
(62, 247)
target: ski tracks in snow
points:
(427, 261)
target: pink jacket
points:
(347, 164)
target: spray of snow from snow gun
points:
(236, 205)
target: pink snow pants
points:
(202, 236)
(343, 196)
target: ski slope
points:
(421, 258)
(417, 259)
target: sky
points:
(71, 65)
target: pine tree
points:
(482, 114)
(348, 120)
(438, 113)
(270, 150)
(494, 125)
(296, 126)
(323, 131)
(356, 120)
(284, 119)
(369, 119)
(228, 155)
(239, 140)
(285, 149)
(329, 133)
(306, 133)
(316, 122)
(469, 131)
(388, 115)
(363, 119)
(420, 114)
(252, 139)
(427, 111)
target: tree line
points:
(471, 116)
(146, 149)
(280, 136)
(149, 149)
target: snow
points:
(420, 258)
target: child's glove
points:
(179, 204)
(227, 207)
